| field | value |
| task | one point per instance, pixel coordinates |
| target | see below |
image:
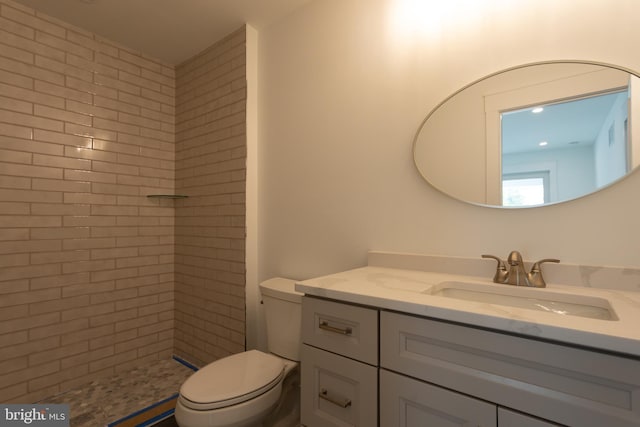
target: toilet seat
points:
(232, 380)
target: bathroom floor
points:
(104, 401)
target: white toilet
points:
(243, 389)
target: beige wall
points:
(344, 87)
(86, 259)
(210, 224)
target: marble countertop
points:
(409, 291)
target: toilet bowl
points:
(242, 389)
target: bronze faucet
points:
(516, 274)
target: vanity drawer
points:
(345, 329)
(337, 391)
(568, 385)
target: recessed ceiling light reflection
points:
(543, 143)
(537, 110)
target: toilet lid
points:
(232, 380)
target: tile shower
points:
(95, 277)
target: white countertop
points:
(408, 291)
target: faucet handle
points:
(535, 276)
(536, 266)
(501, 269)
(500, 262)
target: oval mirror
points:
(533, 135)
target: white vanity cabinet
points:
(428, 372)
(566, 385)
(339, 364)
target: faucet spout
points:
(517, 275)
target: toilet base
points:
(287, 411)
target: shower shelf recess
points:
(167, 196)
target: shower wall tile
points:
(210, 224)
(87, 131)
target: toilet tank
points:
(283, 314)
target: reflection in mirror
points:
(532, 135)
(586, 135)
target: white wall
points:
(573, 169)
(342, 93)
(611, 163)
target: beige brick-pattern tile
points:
(209, 227)
(86, 259)
(94, 276)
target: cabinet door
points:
(509, 418)
(406, 402)
(336, 391)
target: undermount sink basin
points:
(528, 298)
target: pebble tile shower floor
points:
(106, 400)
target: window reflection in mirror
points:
(525, 189)
(561, 150)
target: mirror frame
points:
(558, 61)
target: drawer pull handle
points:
(342, 331)
(324, 394)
